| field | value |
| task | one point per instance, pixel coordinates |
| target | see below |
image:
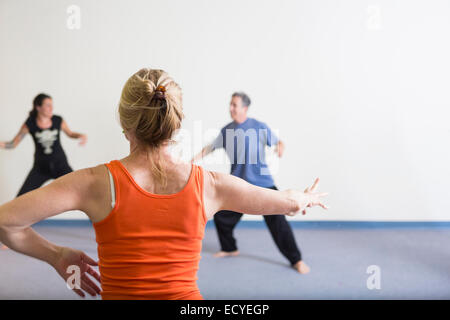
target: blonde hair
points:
(151, 108)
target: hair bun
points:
(160, 92)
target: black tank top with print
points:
(47, 141)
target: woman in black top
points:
(50, 161)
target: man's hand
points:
(279, 149)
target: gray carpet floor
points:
(414, 264)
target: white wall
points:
(357, 89)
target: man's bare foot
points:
(301, 267)
(221, 254)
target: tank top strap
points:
(198, 186)
(198, 178)
(113, 168)
(116, 175)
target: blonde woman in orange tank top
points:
(148, 210)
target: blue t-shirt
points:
(245, 145)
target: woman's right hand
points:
(2, 145)
(307, 199)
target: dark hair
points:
(37, 102)
(245, 99)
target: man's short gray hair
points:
(245, 99)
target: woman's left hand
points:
(74, 266)
(83, 139)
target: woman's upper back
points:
(98, 183)
(132, 188)
(150, 243)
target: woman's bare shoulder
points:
(96, 176)
(93, 188)
(89, 181)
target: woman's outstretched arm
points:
(72, 134)
(227, 192)
(17, 216)
(17, 139)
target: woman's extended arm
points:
(17, 139)
(17, 216)
(227, 192)
(73, 135)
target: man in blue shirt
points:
(244, 141)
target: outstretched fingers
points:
(314, 186)
(316, 200)
(323, 206)
(320, 203)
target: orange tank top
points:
(149, 245)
